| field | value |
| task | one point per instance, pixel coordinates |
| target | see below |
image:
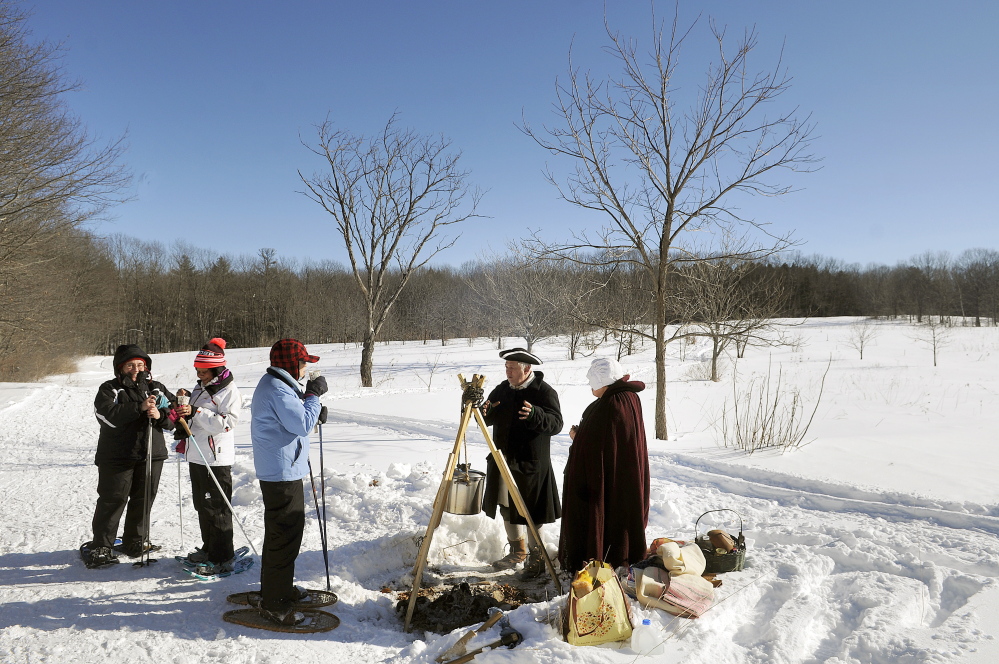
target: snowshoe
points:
(313, 620)
(287, 617)
(215, 569)
(228, 568)
(198, 556)
(97, 557)
(305, 599)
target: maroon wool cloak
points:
(605, 500)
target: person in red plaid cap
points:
(282, 414)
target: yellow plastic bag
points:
(601, 615)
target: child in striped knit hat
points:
(214, 410)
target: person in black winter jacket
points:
(524, 412)
(125, 407)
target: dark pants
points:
(284, 523)
(118, 485)
(213, 513)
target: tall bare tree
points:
(393, 197)
(728, 300)
(664, 164)
(54, 177)
(523, 293)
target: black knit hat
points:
(126, 352)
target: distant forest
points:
(85, 295)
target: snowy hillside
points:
(874, 542)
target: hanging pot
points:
(467, 489)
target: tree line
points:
(91, 294)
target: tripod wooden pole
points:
(439, 502)
(469, 407)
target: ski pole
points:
(147, 508)
(315, 501)
(322, 482)
(180, 504)
(218, 486)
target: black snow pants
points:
(120, 484)
(213, 513)
(284, 524)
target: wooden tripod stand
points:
(470, 407)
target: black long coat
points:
(606, 486)
(526, 446)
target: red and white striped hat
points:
(211, 355)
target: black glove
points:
(323, 413)
(316, 386)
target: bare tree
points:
(862, 333)
(393, 197)
(661, 173)
(975, 272)
(575, 290)
(523, 293)
(54, 177)
(726, 300)
(934, 332)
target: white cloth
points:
(604, 371)
(679, 560)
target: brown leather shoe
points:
(517, 555)
(535, 565)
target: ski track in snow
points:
(803, 492)
(834, 573)
(856, 554)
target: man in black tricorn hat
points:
(524, 413)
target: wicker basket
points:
(716, 563)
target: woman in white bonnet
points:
(605, 496)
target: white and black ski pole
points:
(218, 486)
(322, 483)
(180, 503)
(147, 508)
(180, 491)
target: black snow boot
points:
(288, 616)
(97, 557)
(135, 549)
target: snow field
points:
(874, 543)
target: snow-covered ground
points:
(875, 542)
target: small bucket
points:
(467, 488)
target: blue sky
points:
(215, 95)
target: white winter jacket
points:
(212, 421)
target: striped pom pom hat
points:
(211, 355)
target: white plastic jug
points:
(647, 640)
